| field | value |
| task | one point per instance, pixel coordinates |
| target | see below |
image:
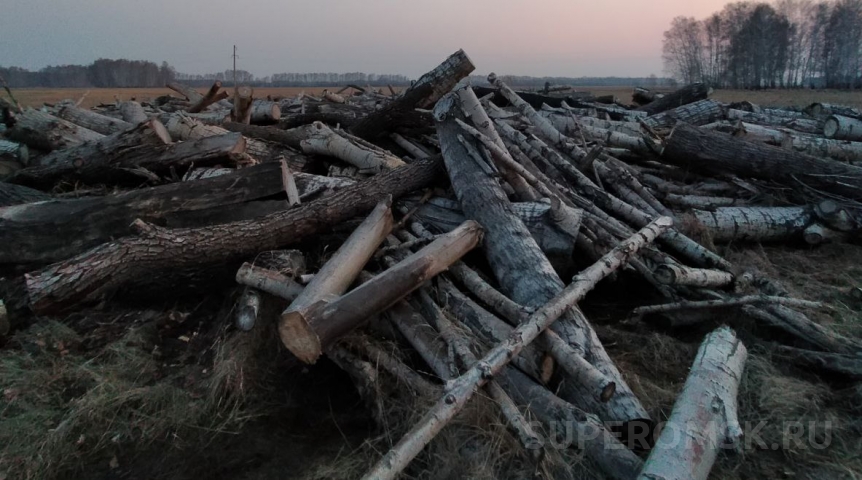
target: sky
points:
(519, 37)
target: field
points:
(37, 96)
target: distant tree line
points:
(539, 82)
(791, 43)
(296, 79)
(103, 73)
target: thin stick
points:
(461, 390)
(730, 302)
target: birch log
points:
(804, 125)
(704, 417)
(91, 120)
(265, 112)
(322, 140)
(824, 109)
(697, 113)
(816, 146)
(843, 128)
(711, 152)
(323, 322)
(755, 224)
(675, 274)
(46, 132)
(118, 263)
(337, 274)
(523, 271)
(268, 281)
(132, 112)
(462, 389)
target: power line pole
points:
(235, 89)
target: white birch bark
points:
(324, 141)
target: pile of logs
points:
(552, 197)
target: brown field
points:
(37, 96)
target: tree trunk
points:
(212, 96)
(754, 224)
(265, 112)
(105, 268)
(42, 131)
(335, 277)
(826, 109)
(325, 321)
(704, 417)
(114, 159)
(843, 128)
(48, 232)
(11, 194)
(422, 94)
(190, 93)
(816, 146)
(803, 125)
(673, 274)
(523, 271)
(692, 147)
(697, 113)
(324, 141)
(94, 121)
(683, 96)
(132, 112)
(243, 101)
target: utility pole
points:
(235, 89)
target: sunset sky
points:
(539, 37)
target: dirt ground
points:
(37, 96)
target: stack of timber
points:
(471, 223)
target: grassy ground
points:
(37, 96)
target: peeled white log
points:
(322, 140)
(843, 128)
(757, 224)
(704, 416)
(337, 274)
(265, 111)
(132, 112)
(89, 119)
(462, 389)
(674, 274)
(333, 97)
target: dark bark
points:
(290, 138)
(422, 94)
(42, 131)
(692, 147)
(685, 95)
(11, 194)
(107, 267)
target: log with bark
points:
(11, 194)
(754, 224)
(190, 93)
(697, 113)
(265, 112)
(44, 131)
(92, 274)
(422, 94)
(706, 151)
(704, 418)
(132, 112)
(843, 128)
(212, 96)
(322, 140)
(91, 120)
(683, 96)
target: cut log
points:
(337, 274)
(816, 234)
(570, 124)
(523, 271)
(307, 335)
(816, 146)
(324, 141)
(692, 147)
(212, 96)
(674, 274)
(132, 112)
(422, 94)
(697, 113)
(118, 263)
(52, 231)
(190, 93)
(43, 131)
(91, 120)
(243, 101)
(11, 194)
(826, 109)
(268, 281)
(804, 125)
(704, 418)
(843, 128)
(247, 309)
(291, 138)
(107, 164)
(462, 389)
(685, 95)
(754, 224)
(265, 112)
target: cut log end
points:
(299, 337)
